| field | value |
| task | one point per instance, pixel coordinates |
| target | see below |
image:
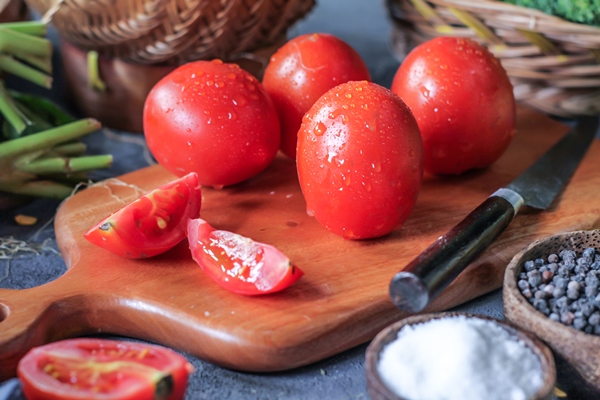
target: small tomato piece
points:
(463, 101)
(103, 369)
(212, 118)
(360, 160)
(152, 224)
(301, 71)
(240, 264)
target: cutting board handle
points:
(35, 316)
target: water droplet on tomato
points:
(371, 125)
(435, 109)
(188, 130)
(210, 82)
(239, 100)
(320, 129)
(344, 119)
(220, 84)
(217, 61)
(376, 166)
(232, 115)
(189, 143)
(348, 95)
(310, 212)
(231, 76)
(367, 186)
(218, 187)
(347, 180)
(411, 153)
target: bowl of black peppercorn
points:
(552, 289)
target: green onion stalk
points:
(41, 152)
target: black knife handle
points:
(427, 275)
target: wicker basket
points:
(173, 31)
(140, 41)
(554, 65)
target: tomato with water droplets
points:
(103, 369)
(360, 160)
(212, 118)
(463, 102)
(152, 224)
(301, 71)
(240, 264)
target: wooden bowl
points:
(579, 350)
(379, 391)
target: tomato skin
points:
(264, 269)
(46, 372)
(212, 118)
(152, 224)
(463, 101)
(301, 71)
(360, 160)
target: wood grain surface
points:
(342, 300)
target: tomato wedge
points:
(152, 224)
(240, 264)
(103, 369)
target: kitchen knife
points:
(428, 274)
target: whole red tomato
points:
(463, 101)
(212, 118)
(75, 369)
(301, 71)
(360, 160)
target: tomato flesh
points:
(240, 264)
(152, 224)
(463, 101)
(301, 71)
(103, 369)
(360, 160)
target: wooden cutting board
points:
(342, 300)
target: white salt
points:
(459, 358)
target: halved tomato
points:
(152, 224)
(240, 264)
(103, 369)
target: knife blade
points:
(413, 288)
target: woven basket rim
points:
(558, 24)
(174, 31)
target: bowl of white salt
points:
(451, 356)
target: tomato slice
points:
(152, 224)
(103, 369)
(240, 264)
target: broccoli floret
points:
(580, 11)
